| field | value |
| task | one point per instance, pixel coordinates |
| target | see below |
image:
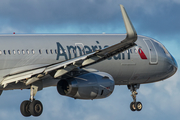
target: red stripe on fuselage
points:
(141, 53)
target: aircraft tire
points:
(132, 106)
(36, 108)
(139, 106)
(25, 108)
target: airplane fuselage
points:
(147, 62)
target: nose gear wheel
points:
(132, 106)
(135, 106)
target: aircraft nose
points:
(174, 62)
(173, 65)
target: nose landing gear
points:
(134, 105)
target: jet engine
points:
(93, 85)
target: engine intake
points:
(87, 86)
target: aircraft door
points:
(153, 57)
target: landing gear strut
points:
(134, 105)
(32, 106)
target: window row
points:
(5, 52)
(51, 51)
(131, 51)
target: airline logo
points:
(141, 53)
(79, 49)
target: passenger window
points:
(14, 52)
(9, 52)
(135, 50)
(18, 51)
(32, 52)
(23, 52)
(60, 51)
(27, 51)
(4, 52)
(40, 52)
(55, 51)
(51, 51)
(130, 50)
(46, 51)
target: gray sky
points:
(158, 19)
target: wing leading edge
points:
(58, 69)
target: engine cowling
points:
(87, 86)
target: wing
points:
(58, 69)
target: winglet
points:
(131, 32)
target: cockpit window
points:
(164, 49)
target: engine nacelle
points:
(87, 86)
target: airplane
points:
(82, 66)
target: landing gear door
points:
(153, 56)
(80, 49)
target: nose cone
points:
(172, 66)
(174, 62)
(175, 65)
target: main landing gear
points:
(32, 106)
(134, 105)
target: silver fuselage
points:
(147, 62)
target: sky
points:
(158, 19)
